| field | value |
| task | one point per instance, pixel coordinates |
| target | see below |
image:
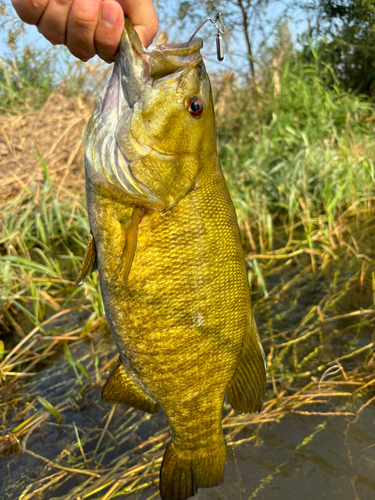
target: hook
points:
(220, 33)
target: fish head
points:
(158, 108)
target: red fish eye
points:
(195, 107)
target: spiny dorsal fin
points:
(89, 264)
(121, 388)
(130, 233)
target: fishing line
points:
(221, 43)
(227, 408)
(237, 471)
(221, 31)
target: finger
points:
(109, 29)
(54, 21)
(30, 11)
(82, 22)
(143, 17)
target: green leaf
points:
(49, 407)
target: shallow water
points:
(336, 464)
(300, 457)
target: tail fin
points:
(182, 473)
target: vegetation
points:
(29, 75)
(297, 150)
(346, 29)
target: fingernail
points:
(109, 14)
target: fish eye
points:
(195, 107)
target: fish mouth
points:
(137, 67)
(111, 147)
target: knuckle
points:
(64, 3)
(83, 21)
(39, 4)
(29, 12)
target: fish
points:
(165, 240)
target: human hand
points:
(89, 27)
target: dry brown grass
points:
(299, 353)
(55, 130)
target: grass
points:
(28, 76)
(297, 155)
(298, 151)
(303, 342)
(41, 237)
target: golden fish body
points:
(166, 244)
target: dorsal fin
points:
(89, 264)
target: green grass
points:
(297, 152)
(42, 241)
(28, 75)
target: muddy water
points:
(338, 463)
(298, 458)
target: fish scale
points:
(171, 266)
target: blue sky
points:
(237, 47)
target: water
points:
(336, 464)
(299, 457)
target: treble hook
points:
(219, 37)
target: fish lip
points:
(180, 49)
(139, 67)
(132, 63)
(136, 67)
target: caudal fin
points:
(182, 473)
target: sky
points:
(235, 53)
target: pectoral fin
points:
(130, 235)
(89, 264)
(246, 390)
(121, 388)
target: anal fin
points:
(121, 388)
(246, 390)
(89, 264)
(130, 235)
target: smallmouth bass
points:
(165, 240)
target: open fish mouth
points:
(135, 66)
(113, 141)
